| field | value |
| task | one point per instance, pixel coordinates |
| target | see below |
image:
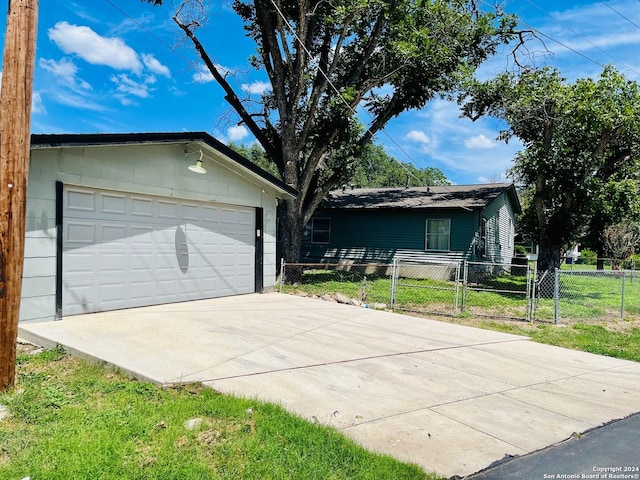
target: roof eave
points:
(39, 141)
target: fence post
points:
(281, 273)
(456, 296)
(465, 277)
(394, 280)
(530, 291)
(556, 297)
(624, 276)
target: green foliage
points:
(375, 168)
(579, 168)
(255, 154)
(71, 419)
(632, 263)
(520, 250)
(588, 256)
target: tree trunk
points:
(548, 260)
(599, 254)
(293, 229)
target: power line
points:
(623, 16)
(580, 36)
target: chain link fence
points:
(358, 284)
(428, 287)
(499, 290)
(566, 295)
(512, 291)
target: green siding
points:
(500, 218)
(376, 235)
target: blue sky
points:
(123, 66)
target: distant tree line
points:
(375, 168)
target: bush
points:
(588, 256)
(520, 250)
(632, 263)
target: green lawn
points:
(596, 339)
(75, 420)
(584, 295)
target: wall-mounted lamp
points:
(197, 168)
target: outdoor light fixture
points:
(197, 168)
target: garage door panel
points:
(166, 287)
(115, 204)
(141, 262)
(122, 250)
(113, 233)
(245, 218)
(80, 233)
(79, 297)
(141, 207)
(190, 212)
(167, 210)
(81, 201)
(113, 263)
(245, 281)
(140, 291)
(79, 263)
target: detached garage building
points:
(120, 220)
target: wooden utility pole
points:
(15, 139)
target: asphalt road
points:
(608, 452)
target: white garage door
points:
(125, 250)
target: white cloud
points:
(36, 104)
(256, 88)
(66, 71)
(126, 85)
(153, 64)
(93, 48)
(82, 102)
(203, 75)
(418, 136)
(237, 133)
(480, 142)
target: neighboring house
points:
(118, 220)
(454, 222)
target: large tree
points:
(579, 167)
(325, 60)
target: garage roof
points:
(216, 149)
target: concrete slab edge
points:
(48, 344)
(508, 459)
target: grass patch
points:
(584, 295)
(74, 419)
(588, 338)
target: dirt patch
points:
(26, 348)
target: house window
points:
(319, 230)
(438, 234)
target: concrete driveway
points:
(450, 398)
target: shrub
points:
(588, 256)
(520, 250)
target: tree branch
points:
(271, 150)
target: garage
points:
(126, 250)
(116, 221)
